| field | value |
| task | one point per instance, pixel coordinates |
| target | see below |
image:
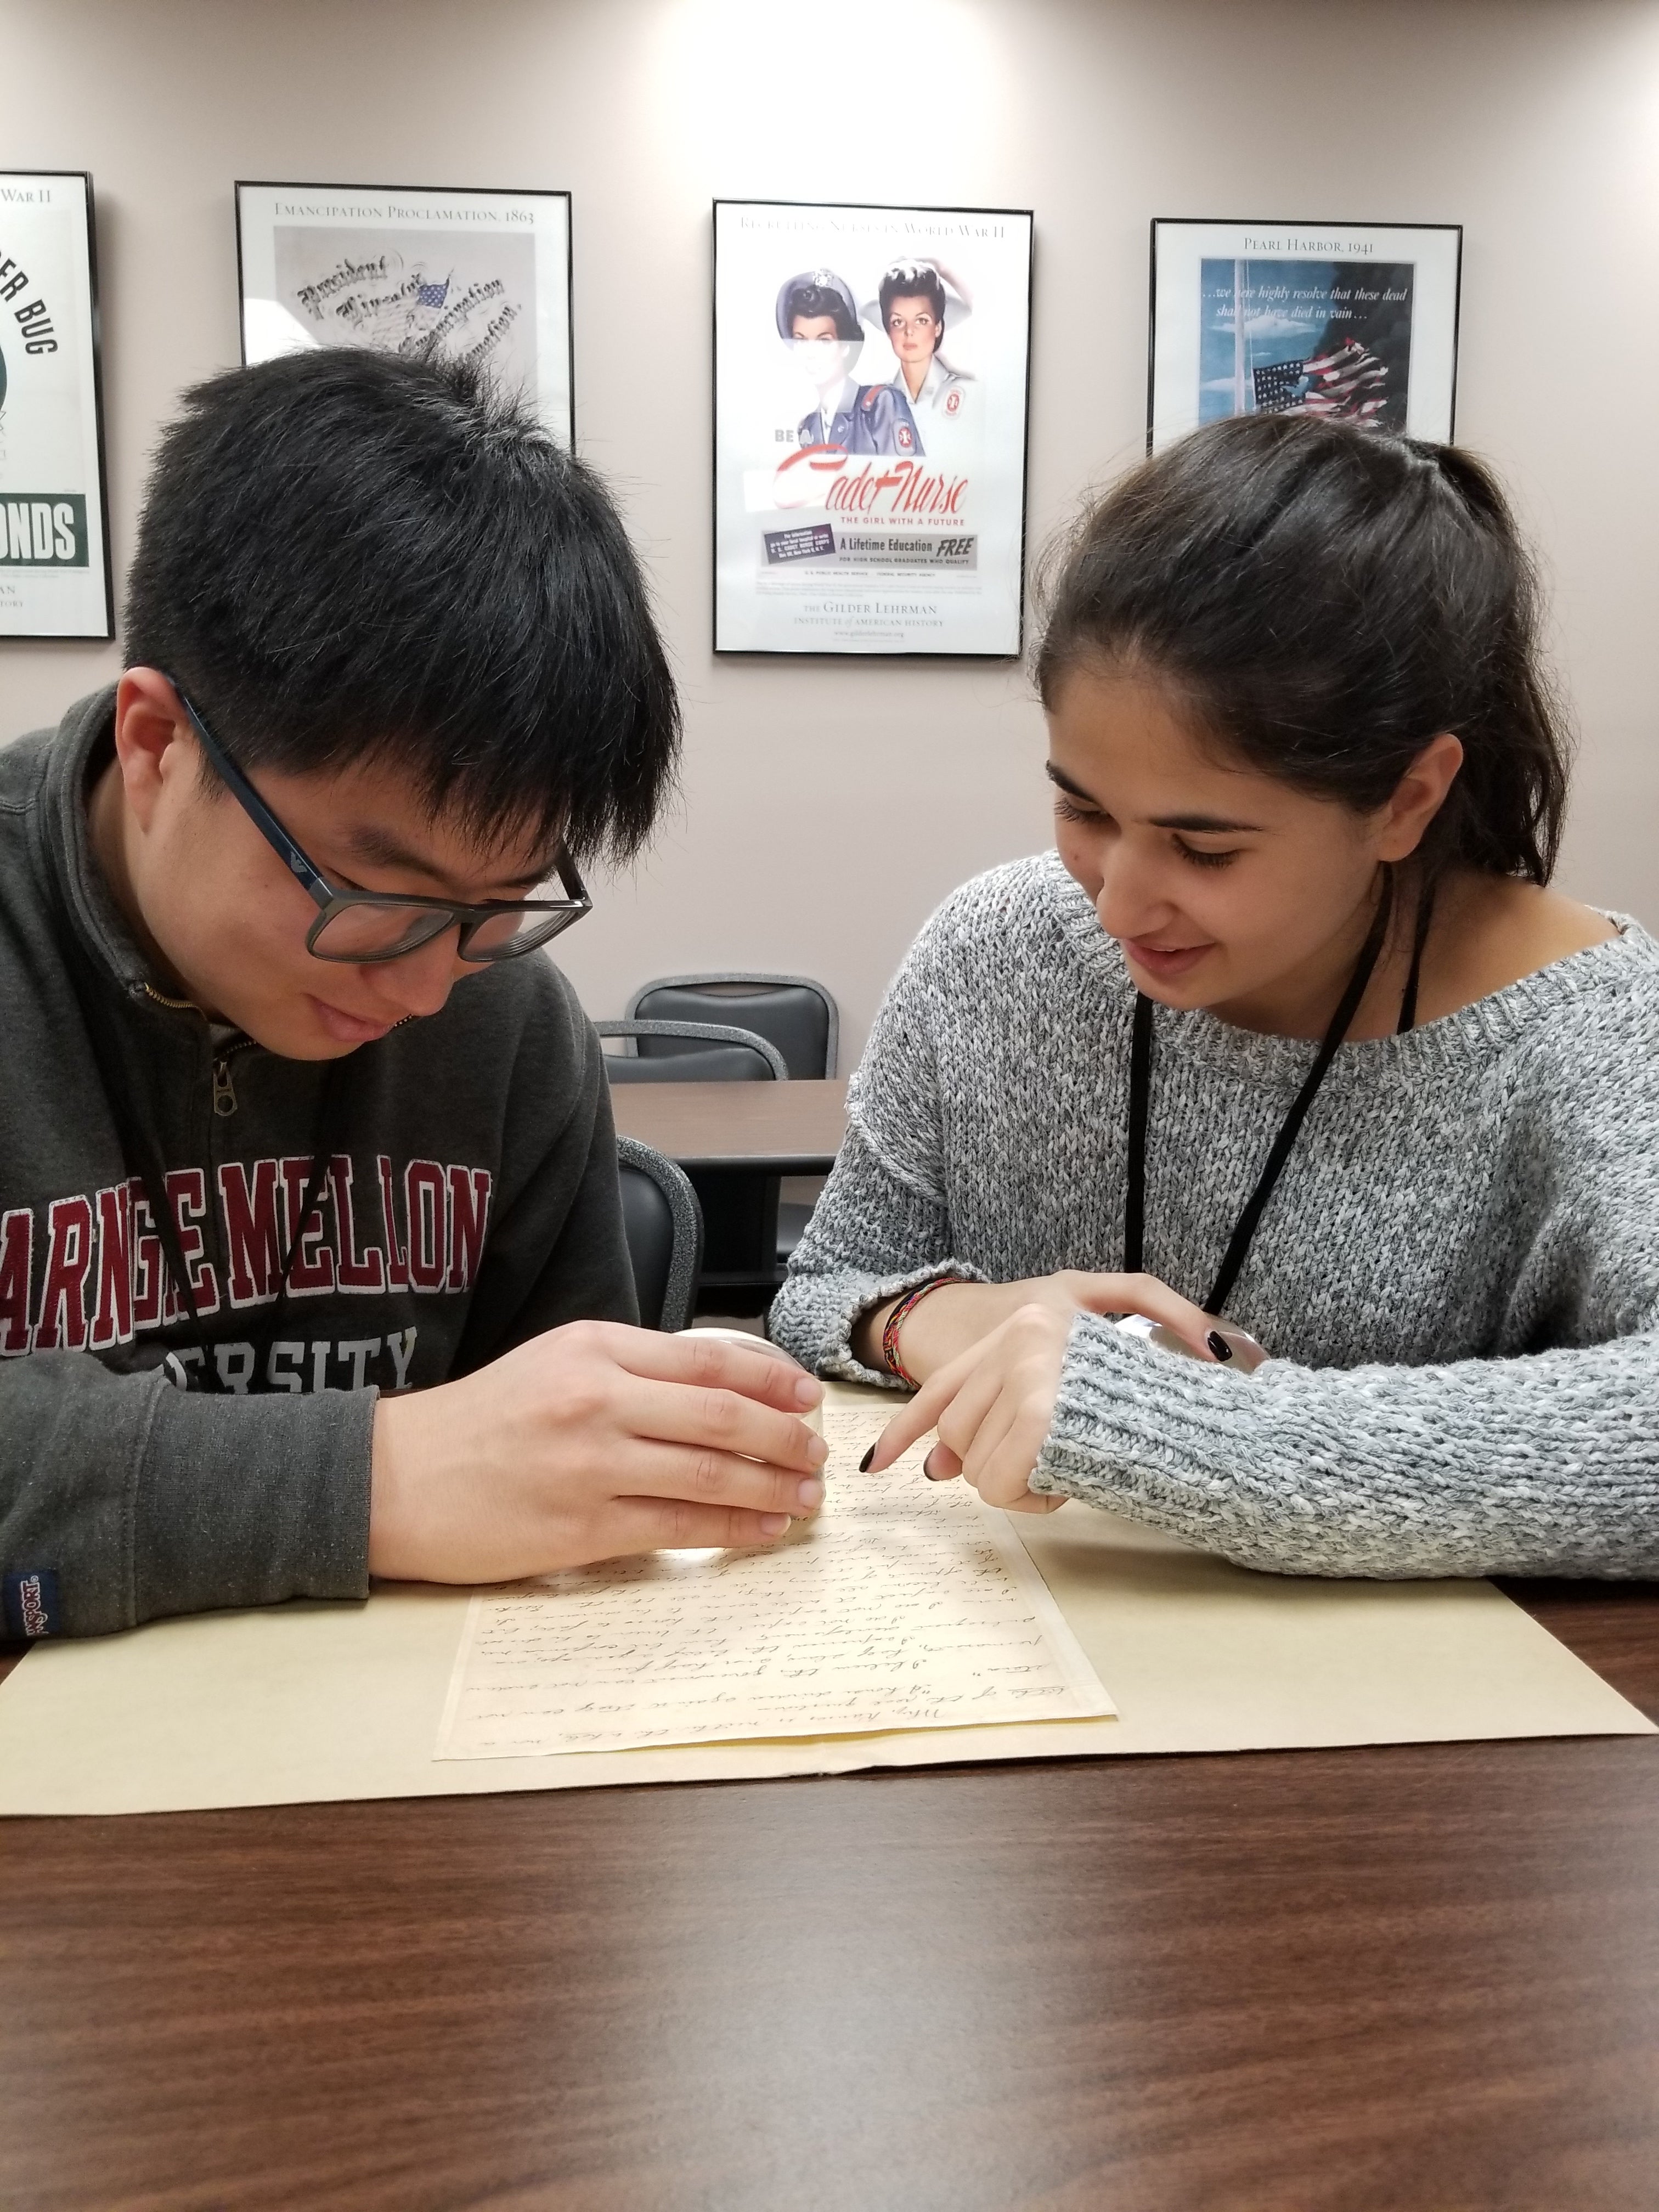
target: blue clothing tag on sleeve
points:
(30, 1606)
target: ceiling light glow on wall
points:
(808, 97)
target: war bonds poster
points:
(54, 537)
(1354, 321)
(484, 274)
(869, 409)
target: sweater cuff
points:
(249, 1501)
(1136, 1427)
(837, 1363)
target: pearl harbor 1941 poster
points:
(1356, 322)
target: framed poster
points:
(1350, 320)
(483, 274)
(54, 513)
(871, 375)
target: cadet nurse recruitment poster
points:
(870, 410)
(54, 526)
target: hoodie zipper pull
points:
(224, 1090)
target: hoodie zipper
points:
(224, 1084)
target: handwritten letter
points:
(905, 1605)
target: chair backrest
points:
(798, 1015)
(708, 1052)
(663, 1223)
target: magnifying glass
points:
(1247, 1354)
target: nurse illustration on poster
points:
(816, 316)
(916, 303)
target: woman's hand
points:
(994, 1404)
(948, 1321)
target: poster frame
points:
(95, 355)
(1453, 230)
(830, 652)
(455, 191)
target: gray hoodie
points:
(468, 1201)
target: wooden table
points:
(1409, 1979)
(774, 1128)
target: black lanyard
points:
(1140, 1074)
(96, 996)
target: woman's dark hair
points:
(345, 554)
(1326, 600)
(814, 301)
(913, 280)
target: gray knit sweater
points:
(1458, 1273)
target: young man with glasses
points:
(311, 1263)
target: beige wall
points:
(828, 806)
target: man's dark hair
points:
(914, 281)
(1324, 600)
(346, 555)
(815, 300)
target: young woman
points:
(1294, 1016)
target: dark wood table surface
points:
(784, 1128)
(1414, 1979)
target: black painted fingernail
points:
(1218, 1344)
(863, 1464)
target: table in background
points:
(1418, 1977)
(792, 1128)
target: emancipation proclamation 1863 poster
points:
(482, 275)
(869, 408)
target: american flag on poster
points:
(1277, 386)
(1291, 335)
(1351, 383)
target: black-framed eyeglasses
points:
(356, 926)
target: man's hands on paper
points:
(591, 1442)
(989, 1357)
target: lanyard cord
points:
(1419, 938)
(137, 1150)
(1140, 1069)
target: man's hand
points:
(948, 1321)
(591, 1442)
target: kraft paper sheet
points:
(299, 1704)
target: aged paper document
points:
(904, 1605)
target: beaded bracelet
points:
(895, 1320)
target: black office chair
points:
(740, 1212)
(796, 1013)
(703, 1052)
(663, 1223)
